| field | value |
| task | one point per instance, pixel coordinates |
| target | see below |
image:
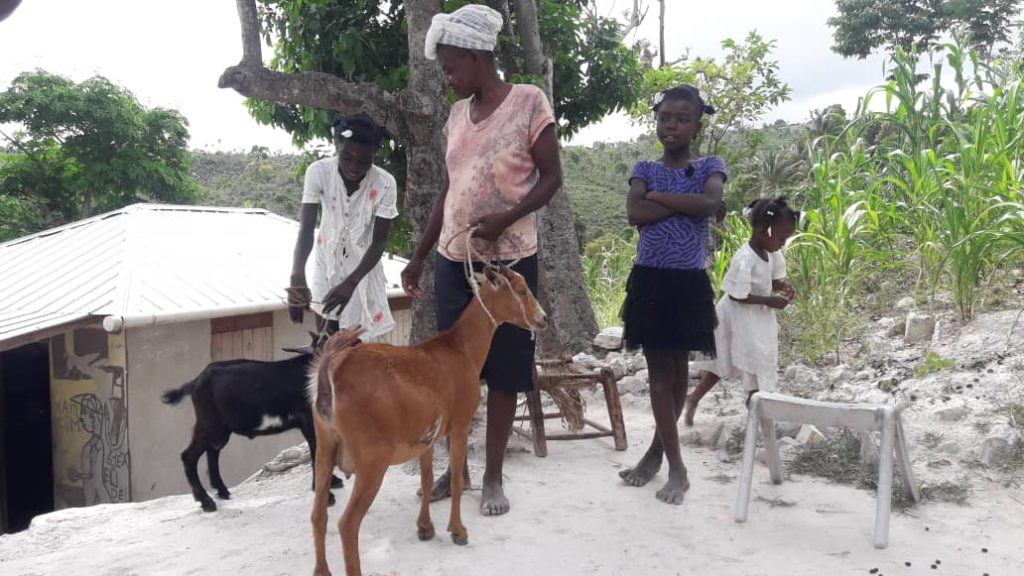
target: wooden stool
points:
(571, 381)
(766, 408)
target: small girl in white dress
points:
(747, 336)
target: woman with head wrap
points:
(503, 165)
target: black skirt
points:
(670, 309)
(509, 365)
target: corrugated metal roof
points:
(150, 260)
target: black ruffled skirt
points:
(670, 309)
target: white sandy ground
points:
(571, 515)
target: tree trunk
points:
(661, 34)
(426, 169)
(415, 117)
(562, 290)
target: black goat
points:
(246, 397)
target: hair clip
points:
(341, 128)
(769, 231)
(658, 98)
(769, 212)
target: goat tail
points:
(320, 392)
(174, 395)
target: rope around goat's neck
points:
(467, 268)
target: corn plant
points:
(607, 262)
(733, 233)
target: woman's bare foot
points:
(690, 411)
(674, 490)
(644, 470)
(494, 502)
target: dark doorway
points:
(26, 465)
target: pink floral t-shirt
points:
(490, 170)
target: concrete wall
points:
(166, 356)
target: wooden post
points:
(906, 473)
(747, 468)
(611, 398)
(771, 448)
(533, 404)
(883, 500)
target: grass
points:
(734, 443)
(931, 440)
(838, 459)
(606, 265)
(933, 362)
(1015, 415)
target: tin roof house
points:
(99, 317)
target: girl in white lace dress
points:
(747, 336)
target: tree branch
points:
(35, 159)
(535, 61)
(252, 79)
(314, 89)
(636, 18)
(252, 50)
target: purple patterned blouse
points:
(678, 242)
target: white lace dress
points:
(747, 337)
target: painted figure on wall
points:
(90, 413)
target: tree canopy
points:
(741, 87)
(85, 147)
(864, 26)
(594, 73)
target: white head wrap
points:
(473, 27)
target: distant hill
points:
(254, 180)
(595, 179)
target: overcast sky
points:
(170, 54)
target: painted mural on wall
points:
(90, 418)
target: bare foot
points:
(644, 470)
(691, 411)
(443, 486)
(674, 490)
(494, 502)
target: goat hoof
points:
(330, 499)
(209, 506)
(224, 494)
(425, 532)
(460, 540)
(337, 482)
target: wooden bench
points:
(766, 408)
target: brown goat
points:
(391, 403)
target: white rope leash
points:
(467, 267)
